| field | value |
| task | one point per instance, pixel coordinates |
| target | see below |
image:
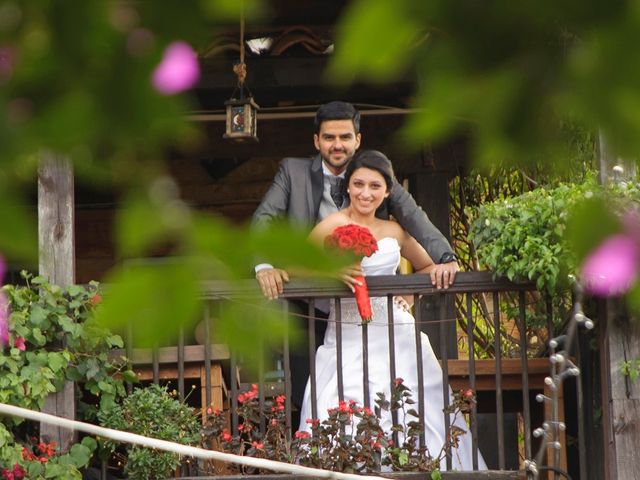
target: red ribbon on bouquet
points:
(361, 242)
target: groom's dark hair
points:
(373, 160)
(337, 111)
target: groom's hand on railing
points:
(271, 281)
(444, 274)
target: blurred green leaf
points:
(255, 329)
(374, 40)
(288, 247)
(633, 299)
(590, 222)
(18, 235)
(235, 251)
(141, 224)
(155, 298)
(231, 9)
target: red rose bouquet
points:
(361, 242)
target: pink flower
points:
(7, 62)
(19, 344)
(4, 308)
(4, 320)
(612, 267)
(178, 70)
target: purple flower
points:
(612, 267)
(178, 70)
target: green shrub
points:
(152, 412)
(52, 337)
(524, 238)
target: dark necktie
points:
(337, 190)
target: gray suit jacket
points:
(296, 193)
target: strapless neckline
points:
(384, 239)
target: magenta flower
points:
(178, 70)
(612, 267)
(4, 307)
(7, 62)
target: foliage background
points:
(74, 80)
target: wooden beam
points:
(57, 264)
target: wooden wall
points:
(230, 180)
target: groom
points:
(308, 189)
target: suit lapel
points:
(317, 187)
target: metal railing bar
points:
(339, 372)
(526, 408)
(582, 441)
(499, 399)
(207, 354)
(181, 363)
(155, 364)
(233, 365)
(261, 384)
(392, 361)
(549, 314)
(444, 338)
(129, 353)
(419, 366)
(365, 365)
(472, 382)
(286, 365)
(312, 358)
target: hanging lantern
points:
(242, 119)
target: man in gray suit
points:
(308, 189)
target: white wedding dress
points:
(384, 262)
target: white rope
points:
(176, 447)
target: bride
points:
(369, 178)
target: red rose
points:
(345, 242)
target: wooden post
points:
(620, 344)
(623, 341)
(57, 264)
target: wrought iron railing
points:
(503, 385)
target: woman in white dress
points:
(369, 178)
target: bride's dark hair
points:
(374, 160)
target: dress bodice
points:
(385, 261)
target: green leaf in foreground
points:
(155, 299)
(590, 222)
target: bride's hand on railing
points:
(349, 276)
